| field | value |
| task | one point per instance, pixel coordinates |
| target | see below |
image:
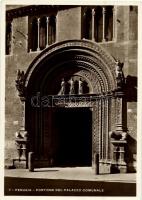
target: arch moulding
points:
(87, 52)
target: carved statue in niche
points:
(119, 75)
(91, 78)
(80, 86)
(63, 87)
(20, 83)
(72, 91)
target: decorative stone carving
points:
(21, 137)
(119, 141)
(63, 87)
(118, 135)
(124, 135)
(72, 90)
(91, 79)
(91, 48)
(80, 86)
(118, 164)
(100, 70)
(119, 75)
(95, 65)
(77, 86)
(20, 83)
(21, 144)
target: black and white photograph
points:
(71, 76)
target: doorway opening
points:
(74, 137)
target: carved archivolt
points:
(93, 55)
(81, 79)
(91, 79)
(77, 85)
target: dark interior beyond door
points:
(74, 130)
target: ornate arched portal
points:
(73, 94)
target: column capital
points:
(103, 12)
(104, 9)
(38, 20)
(47, 19)
(114, 8)
(93, 11)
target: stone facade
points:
(69, 27)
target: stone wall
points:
(69, 24)
(123, 48)
(19, 59)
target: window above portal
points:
(8, 37)
(41, 32)
(98, 23)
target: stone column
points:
(103, 127)
(93, 20)
(99, 122)
(38, 37)
(21, 137)
(100, 115)
(55, 27)
(103, 12)
(119, 137)
(95, 138)
(120, 105)
(114, 21)
(107, 127)
(23, 113)
(47, 22)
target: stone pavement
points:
(68, 173)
